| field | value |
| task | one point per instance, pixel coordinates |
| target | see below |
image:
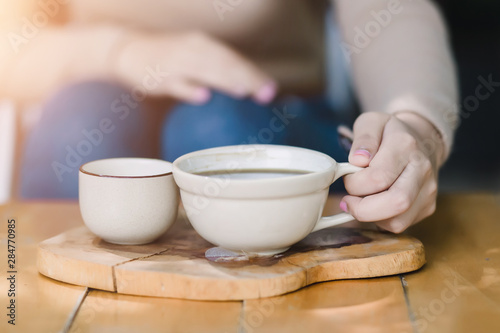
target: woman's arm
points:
(405, 79)
(53, 57)
(401, 60)
(36, 59)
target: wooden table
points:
(458, 290)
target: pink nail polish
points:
(343, 206)
(363, 152)
(266, 93)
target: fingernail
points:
(202, 95)
(266, 93)
(343, 206)
(363, 152)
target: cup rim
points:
(266, 188)
(81, 169)
(223, 149)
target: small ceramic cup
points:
(128, 200)
(257, 199)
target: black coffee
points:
(252, 173)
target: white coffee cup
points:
(262, 213)
(128, 200)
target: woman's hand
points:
(402, 154)
(189, 66)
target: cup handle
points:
(329, 221)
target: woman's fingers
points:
(424, 206)
(190, 61)
(391, 159)
(398, 187)
(397, 200)
(410, 199)
(186, 91)
(215, 65)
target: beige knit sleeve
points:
(400, 59)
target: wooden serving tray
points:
(176, 265)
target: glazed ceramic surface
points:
(128, 200)
(260, 215)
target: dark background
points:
(474, 163)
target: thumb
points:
(368, 130)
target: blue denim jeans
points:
(95, 120)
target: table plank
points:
(110, 312)
(42, 304)
(459, 288)
(369, 305)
